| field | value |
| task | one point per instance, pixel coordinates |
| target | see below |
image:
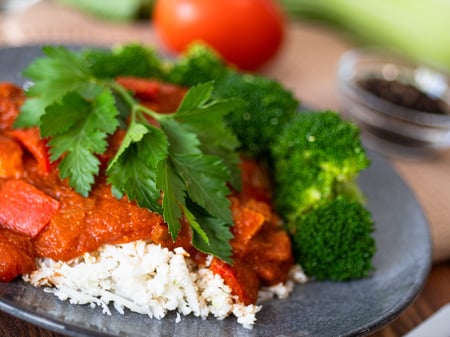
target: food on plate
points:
(334, 242)
(267, 108)
(131, 169)
(247, 33)
(316, 159)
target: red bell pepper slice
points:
(142, 89)
(24, 208)
(11, 98)
(159, 96)
(32, 141)
(241, 279)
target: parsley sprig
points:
(180, 169)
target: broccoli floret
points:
(127, 60)
(267, 104)
(267, 107)
(199, 64)
(299, 185)
(316, 160)
(318, 155)
(334, 241)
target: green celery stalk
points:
(114, 10)
(417, 29)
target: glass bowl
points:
(402, 108)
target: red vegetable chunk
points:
(241, 279)
(10, 158)
(11, 98)
(31, 140)
(16, 255)
(24, 208)
(159, 96)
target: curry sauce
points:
(61, 224)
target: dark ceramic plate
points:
(316, 309)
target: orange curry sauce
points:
(41, 216)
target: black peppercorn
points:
(405, 95)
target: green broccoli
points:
(299, 184)
(199, 64)
(334, 241)
(316, 160)
(268, 106)
(318, 155)
(127, 60)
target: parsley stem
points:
(134, 105)
(123, 93)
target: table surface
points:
(306, 64)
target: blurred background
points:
(414, 29)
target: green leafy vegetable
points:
(181, 163)
(78, 128)
(202, 176)
(195, 112)
(173, 187)
(133, 169)
(215, 230)
(62, 72)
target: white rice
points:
(149, 279)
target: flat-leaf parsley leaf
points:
(180, 169)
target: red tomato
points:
(247, 33)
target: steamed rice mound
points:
(147, 279)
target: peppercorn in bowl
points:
(403, 108)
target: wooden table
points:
(306, 65)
